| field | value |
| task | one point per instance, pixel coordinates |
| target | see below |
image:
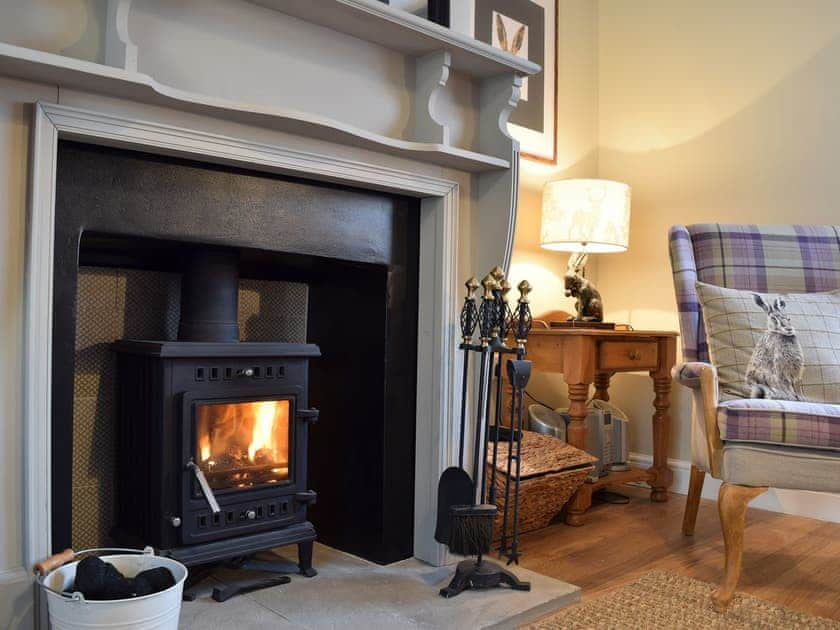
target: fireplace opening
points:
(242, 444)
(317, 263)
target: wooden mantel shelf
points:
(33, 65)
(401, 31)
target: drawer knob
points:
(634, 354)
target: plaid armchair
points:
(751, 444)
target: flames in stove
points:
(262, 438)
(243, 444)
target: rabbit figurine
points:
(588, 300)
(775, 368)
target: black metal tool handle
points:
(498, 329)
(469, 311)
(524, 320)
(487, 312)
(506, 312)
(469, 320)
(522, 372)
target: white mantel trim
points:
(437, 376)
(35, 65)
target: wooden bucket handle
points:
(53, 562)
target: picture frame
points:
(527, 28)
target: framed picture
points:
(526, 28)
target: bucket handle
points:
(48, 565)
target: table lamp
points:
(585, 216)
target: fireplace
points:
(175, 322)
(213, 433)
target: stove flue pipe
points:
(210, 295)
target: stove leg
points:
(305, 559)
(195, 576)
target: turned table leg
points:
(661, 475)
(576, 436)
(602, 386)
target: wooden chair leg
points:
(732, 505)
(692, 501)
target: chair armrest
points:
(709, 390)
(688, 374)
(703, 379)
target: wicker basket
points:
(551, 471)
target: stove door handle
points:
(206, 490)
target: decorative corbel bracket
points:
(497, 192)
(120, 51)
(499, 95)
(431, 76)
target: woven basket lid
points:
(541, 455)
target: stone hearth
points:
(354, 593)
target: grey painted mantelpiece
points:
(222, 85)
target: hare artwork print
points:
(527, 29)
(775, 368)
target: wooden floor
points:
(789, 560)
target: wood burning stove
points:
(212, 439)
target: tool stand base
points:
(481, 574)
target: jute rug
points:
(666, 600)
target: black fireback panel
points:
(159, 383)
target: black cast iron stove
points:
(212, 440)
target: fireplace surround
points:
(438, 264)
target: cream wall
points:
(577, 152)
(712, 111)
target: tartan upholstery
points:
(688, 374)
(788, 422)
(762, 258)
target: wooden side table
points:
(588, 356)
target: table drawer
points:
(627, 355)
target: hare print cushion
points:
(783, 346)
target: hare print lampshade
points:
(585, 216)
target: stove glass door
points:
(242, 444)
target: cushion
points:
(735, 326)
(787, 422)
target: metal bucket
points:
(547, 421)
(158, 611)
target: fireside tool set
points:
(467, 504)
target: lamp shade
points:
(585, 215)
